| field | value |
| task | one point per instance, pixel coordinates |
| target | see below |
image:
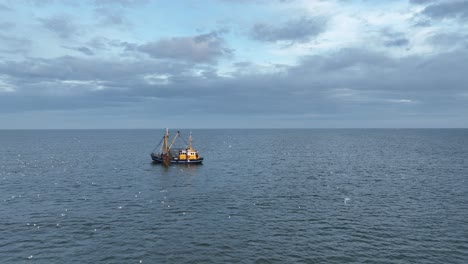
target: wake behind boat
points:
(167, 155)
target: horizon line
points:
(236, 128)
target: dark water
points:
(262, 196)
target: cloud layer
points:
(288, 64)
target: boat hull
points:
(158, 159)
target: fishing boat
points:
(168, 155)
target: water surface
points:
(261, 196)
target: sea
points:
(261, 196)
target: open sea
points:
(261, 196)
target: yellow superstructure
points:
(188, 153)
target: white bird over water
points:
(346, 200)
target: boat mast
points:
(166, 142)
(190, 141)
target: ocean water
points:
(261, 196)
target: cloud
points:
(397, 42)
(299, 30)
(359, 80)
(349, 84)
(205, 48)
(350, 69)
(456, 9)
(85, 69)
(82, 49)
(14, 44)
(62, 25)
(73, 83)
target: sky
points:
(67, 64)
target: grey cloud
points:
(449, 9)
(397, 42)
(372, 82)
(418, 78)
(71, 82)
(129, 46)
(205, 48)
(48, 84)
(370, 85)
(242, 64)
(100, 43)
(82, 49)
(14, 44)
(73, 68)
(62, 25)
(299, 30)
